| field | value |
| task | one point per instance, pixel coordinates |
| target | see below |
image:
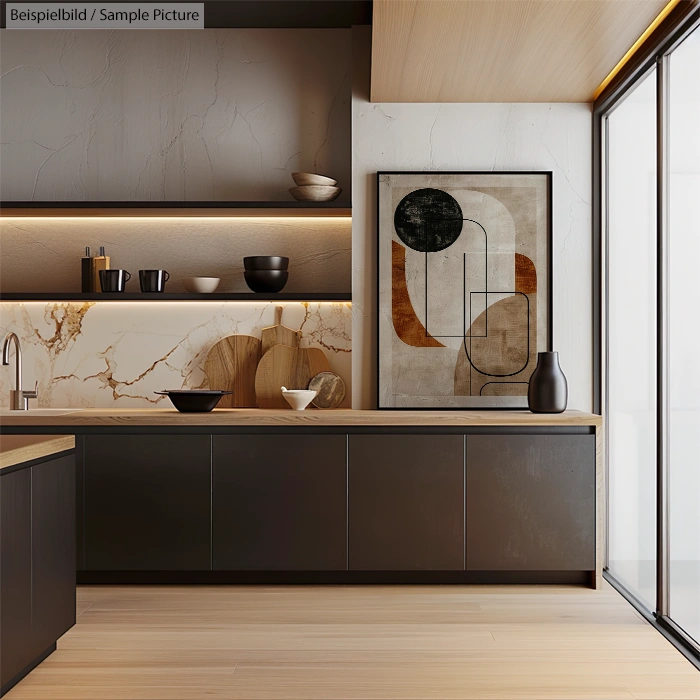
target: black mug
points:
(153, 280)
(114, 280)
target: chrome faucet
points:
(18, 397)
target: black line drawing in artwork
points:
(467, 351)
(481, 391)
(426, 248)
(464, 288)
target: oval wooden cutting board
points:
(230, 366)
(283, 365)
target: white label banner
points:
(118, 15)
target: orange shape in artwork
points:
(525, 275)
(406, 324)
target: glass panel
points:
(684, 339)
(632, 342)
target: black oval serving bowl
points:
(194, 400)
(266, 281)
(266, 262)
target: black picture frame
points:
(549, 267)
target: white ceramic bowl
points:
(315, 193)
(298, 399)
(201, 285)
(302, 179)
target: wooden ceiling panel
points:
(501, 50)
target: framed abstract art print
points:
(464, 287)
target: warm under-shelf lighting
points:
(142, 304)
(173, 218)
(633, 49)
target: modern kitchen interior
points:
(345, 350)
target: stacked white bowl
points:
(314, 188)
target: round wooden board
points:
(282, 366)
(329, 388)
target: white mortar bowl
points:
(201, 285)
(298, 399)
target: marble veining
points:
(105, 355)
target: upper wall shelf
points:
(173, 209)
(174, 296)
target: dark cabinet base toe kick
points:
(323, 578)
(369, 507)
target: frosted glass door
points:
(684, 337)
(631, 408)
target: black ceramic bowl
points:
(266, 262)
(194, 400)
(266, 281)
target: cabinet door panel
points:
(147, 502)
(53, 551)
(406, 502)
(530, 502)
(15, 573)
(279, 502)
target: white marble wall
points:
(172, 115)
(554, 137)
(117, 354)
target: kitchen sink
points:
(39, 412)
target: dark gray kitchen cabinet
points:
(15, 573)
(530, 502)
(53, 551)
(279, 502)
(406, 502)
(147, 502)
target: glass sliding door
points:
(649, 203)
(631, 333)
(684, 336)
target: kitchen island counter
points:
(16, 449)
(37, 550)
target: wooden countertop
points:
(15, 449)
(242, 417)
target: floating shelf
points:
(177, 296)
(173, 209)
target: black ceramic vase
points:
(548, 391)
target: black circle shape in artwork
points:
(428, 220)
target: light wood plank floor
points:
(187, 643)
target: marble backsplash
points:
(104, 355)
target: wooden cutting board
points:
(279, 334)
(329, 388)
(230, 366)
(286, 366)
